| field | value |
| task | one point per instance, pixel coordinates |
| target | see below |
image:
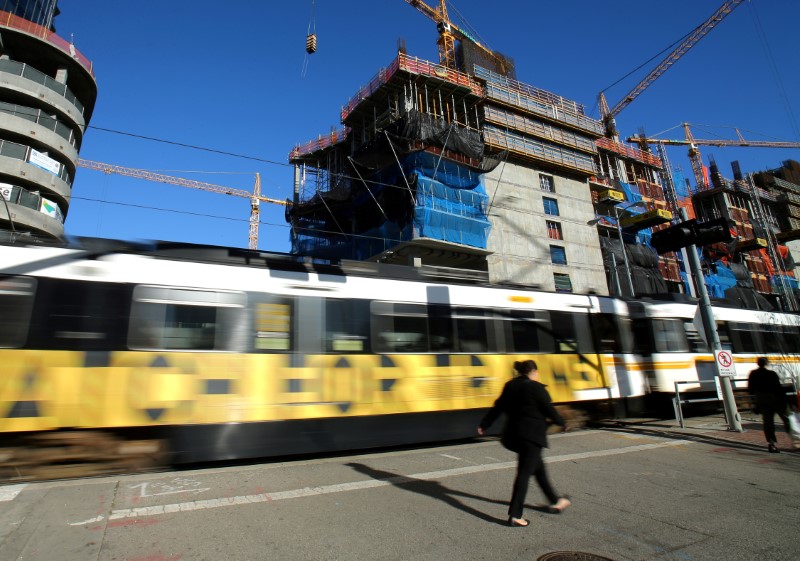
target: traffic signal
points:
(691, 232)
(712, 231)
(674, 237)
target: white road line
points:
(90, 521)
(9, 492)
(368, 484)
(449, 456)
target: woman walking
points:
(527, 406)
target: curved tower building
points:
(47, 94)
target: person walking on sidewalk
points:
(770, 400)
(528, 407)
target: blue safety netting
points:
(780, 281)
(425, 197)
(721, 281)
(631, 194)
(451, 203)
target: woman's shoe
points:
(562, 504)
(773, 449)
(518, 522)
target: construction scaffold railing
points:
(320, 143)
(21, 24)
(413, 65)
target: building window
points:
(550, 206)
(554, 230)
(547, 184)
(563, 284)
(558, 255)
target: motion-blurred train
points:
(218, 353)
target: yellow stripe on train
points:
(42, 390)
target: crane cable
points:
(775, 72)
(311, 40)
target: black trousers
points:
(771, 405)
(529, 462)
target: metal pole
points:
(616, 273)
(624, 255)
(709, 325)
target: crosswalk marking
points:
(9, 492)
(367, 484)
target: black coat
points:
(528, 408)
(765, 385)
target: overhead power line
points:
(192, 146)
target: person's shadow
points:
(436, 490)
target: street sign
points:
(725, 365)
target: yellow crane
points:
(608, 115)
(694, 152)
(255, 197)
(449, 32)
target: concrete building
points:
(470, 170)
(47, 94)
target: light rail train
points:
(176, 353)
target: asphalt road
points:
(638, 495)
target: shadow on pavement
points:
(664, 431)
(440, 492)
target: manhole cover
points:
(572, 556)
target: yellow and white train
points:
(226, 353)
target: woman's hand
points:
(480, 431)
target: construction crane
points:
(450, 32)
(608, 115)
(694, 152)
(255, 197)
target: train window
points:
(564, 332)
(79, 315)
(471, 330)
(642, 341)
(273, 325)
(745, 337)
(607, 333)
(792, 336)
(186, 319)
(16, 304)
(697, 342)
(346, 326)
(399, 328)
(724, 336)
(440, 327)
(669, 336)
(530, 332)
(775, 338)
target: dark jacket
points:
(528, 407)
(765, 385)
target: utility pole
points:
(732, 416)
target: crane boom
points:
(255, 197)
(701, 31)
(694, 151)
(449, 32)
(719, 142)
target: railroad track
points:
(72, 454)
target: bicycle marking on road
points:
(367, 484)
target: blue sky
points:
(228, 76)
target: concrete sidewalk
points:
(711, 428)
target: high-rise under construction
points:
(47, 95)
(460, 164)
